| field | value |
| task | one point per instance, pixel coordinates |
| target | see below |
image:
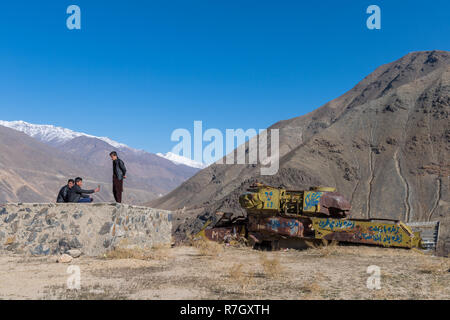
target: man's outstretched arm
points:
(81, 191)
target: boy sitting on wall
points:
(77, 194)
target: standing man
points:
(63, 193)
(119, 173)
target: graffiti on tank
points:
(332, 224)
(381, 238)
(382, 234)
(269, 199)
(385, 229)
(312, 199)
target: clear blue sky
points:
(137, 70)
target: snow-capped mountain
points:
(53, 135)
(177, 159)
(58, 136)
(59, 154)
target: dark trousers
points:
(117, 189)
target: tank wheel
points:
(320, 243)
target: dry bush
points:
(272, 267)
(323, 248)
(326, 251)
(239, 277)
(312, 290)
(156, 253)
(236, 271)
(128, 253)
(206, 247)
(323, 251)
(428, 266)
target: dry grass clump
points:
(323, 249)
(312, 290)
(156, 253)
(128, 253)
(238, 276)
(272, 267)
(434, 266)
(206, 247)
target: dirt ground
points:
(212, 271)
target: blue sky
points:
(137, 70)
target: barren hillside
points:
(385, 144)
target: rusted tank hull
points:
(384, 233)
(280, 226)
(318, 215)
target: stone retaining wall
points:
(48, 229)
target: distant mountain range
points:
(52, 135)
(65, 153)
(58, 136)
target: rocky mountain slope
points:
(385, 144)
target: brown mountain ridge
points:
(385, 145)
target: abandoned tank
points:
(280, 218)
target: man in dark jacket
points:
(119, 173)
(77, 194)
(63, 193)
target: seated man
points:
(63, 193)
(76, 194)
